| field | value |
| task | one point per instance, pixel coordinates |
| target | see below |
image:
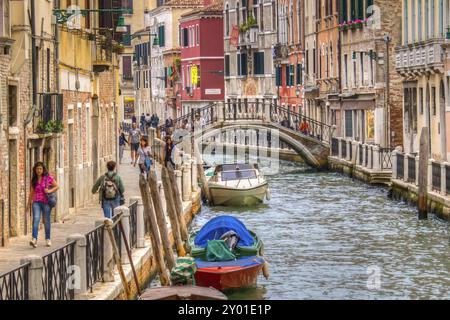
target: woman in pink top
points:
(41, 184)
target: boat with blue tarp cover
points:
(227, 254)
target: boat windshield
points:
(238, 174)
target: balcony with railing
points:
(49, 118)
(423, 57)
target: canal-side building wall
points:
(421, 61)
(288, 55)
(202, 46)
(250, 81)
(328, 63)
(5, 60)
(372, 114)
(311, 87)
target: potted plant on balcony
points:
(52, 126)
(358, 24)
(119, 48)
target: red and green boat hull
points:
(242, 273)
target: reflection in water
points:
(328, 237)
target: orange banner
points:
(234, 39)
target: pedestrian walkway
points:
(80, 222)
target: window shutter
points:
(244, 64)
(185, 37)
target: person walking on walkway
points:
(111, 189)
(169, 152)
(154, 121)
(42, 185)
(122, 143)
(144, 158)
(135, 136)
(142, 122)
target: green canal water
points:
(329, 237)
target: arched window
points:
(227, 20)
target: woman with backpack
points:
(144, 158)
(42, 200)
(111, 190)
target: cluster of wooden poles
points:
(156, 225)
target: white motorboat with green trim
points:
(238, 185)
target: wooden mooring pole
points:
(108, 226)
(201, 174)
(161, 218)
(178, 203)
(423, 173)
(154, 233)
(171, 211)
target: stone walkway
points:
(81, 222)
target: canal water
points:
(327, 236)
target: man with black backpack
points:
(111, 190)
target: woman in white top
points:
(144, 156)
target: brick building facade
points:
(371, 88)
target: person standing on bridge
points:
(304, 127)
(111, 189)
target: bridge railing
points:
(197, 117)
(302, 124)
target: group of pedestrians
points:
(110, 185)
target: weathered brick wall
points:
(4, 188)
(391, 19)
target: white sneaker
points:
(48, 243)
(33, 243)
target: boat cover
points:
(244, 263)
(217, 250)
(215, 228)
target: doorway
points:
(71, 168)
(12, 190)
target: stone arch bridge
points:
(266, 124)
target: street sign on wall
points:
(213, 91)
(194, 75)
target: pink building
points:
(202, 56)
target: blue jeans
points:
(41, 209)
(109, 206)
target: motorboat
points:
(227, 255)
(237, 185)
